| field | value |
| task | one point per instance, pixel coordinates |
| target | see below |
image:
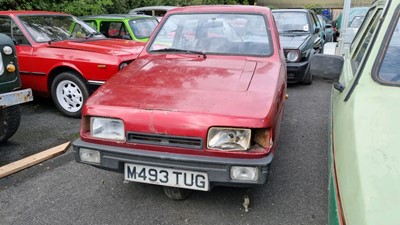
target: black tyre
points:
(69, 93)
(10, 119)
(307, 76)
(177, 193)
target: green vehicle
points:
(364, 154)
(123, 26)
(10, 96)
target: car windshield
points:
(231, 34)
(45, 28)
(143, 28)
(288, 22)
(390, 67)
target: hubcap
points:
(69, 96)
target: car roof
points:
(291, 10)
(31, 12)
(161, 7)
(116, 16)
(220, 8)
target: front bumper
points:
(15, 98)
(296, 71)
(217, 168)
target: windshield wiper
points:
(54, 40)
(287, 31)
(180, 50)
(90, 35)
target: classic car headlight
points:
(228, 139)
(122, 65)
(292, 55)
(107, 128)
(7, 50)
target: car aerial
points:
(199, 108)
(364, 143)
(124, 26)
(10, 95)
(62, 57)
(301, 37)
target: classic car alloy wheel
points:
(177, 193)
(69, 93)
(10, 118)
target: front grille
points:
(165, 140)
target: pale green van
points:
(364, 153)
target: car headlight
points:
(7, 50)
(107, 128)
(292, 55)
(228, 139)
(122, 65)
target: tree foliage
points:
(90, 7)
(316, 7)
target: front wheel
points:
(307, 77)
(69, 93)
(10, 119)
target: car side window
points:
(370, 13)
(18, 36)
(316, 21)
(364, 42)
(91, 23)
(5, 26)
(113, 29)
(8, 27)
(389, 70)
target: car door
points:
(346, 100)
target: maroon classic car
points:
(62, 57)
(200, 107)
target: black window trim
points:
(383, 49)
(358, 75)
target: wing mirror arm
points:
(338, 86)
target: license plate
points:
(167, 177)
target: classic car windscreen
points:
(288, 22)
(390, 67)
(231, 34)
(143, 28)
(44, 28)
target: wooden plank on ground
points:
(32, 160)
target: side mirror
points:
(317, 43)
(326, 66)
(316, 30)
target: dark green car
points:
(10, 95)
(123, 26)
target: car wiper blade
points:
(287, 31)
(90, 35)
(54, 40)
(179, 50)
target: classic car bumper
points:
(218, 169)
(296, 71)
(15, 97)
